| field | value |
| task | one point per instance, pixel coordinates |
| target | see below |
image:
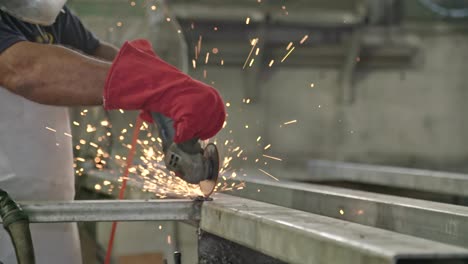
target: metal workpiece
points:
(295, 236)
(440, 222)
(112, 210)
(414, 179)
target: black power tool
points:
(188, 159)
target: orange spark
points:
(288, 54)
(273, 177)
(271, 157)
(51, 129)
(290, 122)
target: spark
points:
(273, 177)
(199, 44)
(90, 128)
(304, 39)
(271, 157)
(160, 227)
(247, 20)
(194, 64)
(207, 57)
(267, 147)
(257, 51)
(258, 139)
(168, 19)
(341, 212)
(97, 187)
(253, 43)
(288, 54)
(66, 134)
(215, 50)
(51, 129)
(222, 62)
(104, 123)
(121, 111)
(80, 159)
(106, 183)
(251, 62)
(247, 101)
(289, 45)
(153, 7)
(290, 122)
(228, 104)
(312, 85)
(119, 24)
(76, 123)
(271, 63)
(132, 3)
(93, 144)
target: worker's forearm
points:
(106, 51)
(53, 75)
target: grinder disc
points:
(212, 158)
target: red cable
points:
(130, 155)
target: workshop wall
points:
(410, 117)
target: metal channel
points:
(295, 236)
(415, 179)
(111, 210)
(440, 222)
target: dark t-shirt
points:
(67, 31)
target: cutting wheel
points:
(212, 158)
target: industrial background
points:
(348, 117)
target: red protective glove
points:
(140, 80)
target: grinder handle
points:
(165, 128)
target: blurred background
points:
(376, 82)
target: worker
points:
(48, 61)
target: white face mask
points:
(42, 12)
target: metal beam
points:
(415, 179)
(298, 237)
(444, 223)
(111, 210)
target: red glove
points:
(140, 80)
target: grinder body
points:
(188, 159)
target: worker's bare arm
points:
(106, 51)
(53, 75)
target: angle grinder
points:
(188, 160)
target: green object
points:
(16, 223)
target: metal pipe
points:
(110, 210)
(299, 237)
(435, 221)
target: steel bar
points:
(295, 236)
(440, 222)
(415, 179)
(111, 210)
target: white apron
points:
(37, 164)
